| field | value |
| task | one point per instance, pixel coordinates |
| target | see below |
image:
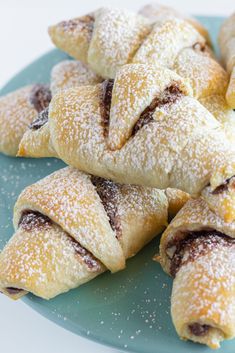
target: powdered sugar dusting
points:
(116, 37)
(44, 262)
(69, 74)
(16, 113)
(71, 219)
(120, 37)
(183, 147)
(203, 291)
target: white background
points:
(23, 37)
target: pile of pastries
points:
(143, 116)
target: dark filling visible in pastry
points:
(40, 97)
(105, 103)
(41, 120)
(85, 23)
(224, 187)
(198, 329)
(199, 46)
(169, 96)
(87, 257)
(195, 244)
(13, 291)
(108, 193)
(33, 219)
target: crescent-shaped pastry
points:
(20, 108)
(17, 111)
(143, 128)
(227, 47)
(198, 250)
(70, 227)
(117, 37)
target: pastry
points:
(20, 108)
(70, 227)
(106, 39)
(71, 73)
(219, 108)
(17, 110)
(227, 47)
(158, 13)
(64, 75)
(143, 128)
(117, 37)
(198, 251)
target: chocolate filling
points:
(223, 187)
(194, 245)
(199, 46)
(169, 96)
(13, 291)
(33, 219)
(85, 23)
(40, 97)
(105, 103)
(198, 329)
(87, 257)
(108, 192)
(41, 120)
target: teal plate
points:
(129, 310)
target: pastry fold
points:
(143, 128)
(198, 250)
(227, 47)
(71, 227)
(117, 37)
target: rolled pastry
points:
(158, 13)
(143, 128)
(17, 111)
(198, 250)
(117, 37)
(110, 38)
(227, 47)
(20, 108)
(70, 227)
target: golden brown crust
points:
(120, 37)
(16, 113)
(20, 108)
(204, 284)
(59, 198)
(191, 151)
(65, 233)
(78, 34)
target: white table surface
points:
(23, 37)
